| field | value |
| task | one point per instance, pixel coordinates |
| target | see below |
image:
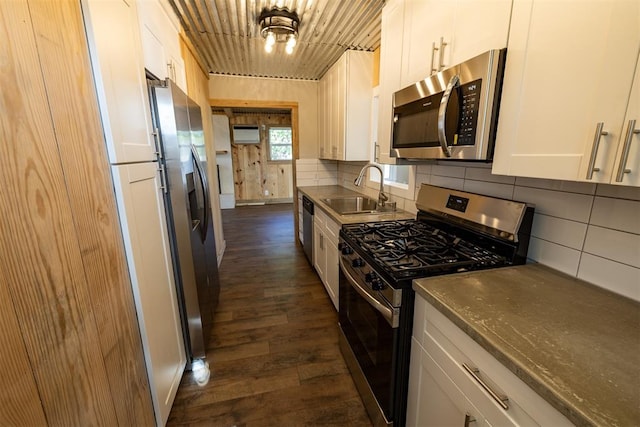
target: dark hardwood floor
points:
(273, 350)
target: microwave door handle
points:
(442, 115)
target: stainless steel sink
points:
(352, 205)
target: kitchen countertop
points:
(576, 345)
(316, 194)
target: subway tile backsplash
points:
(586, 230)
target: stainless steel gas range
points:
(454, 231)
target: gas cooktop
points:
(415, 248)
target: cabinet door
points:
(569, 67)
(472, 19)
(425, 22)
(390, 67)
(434, 400)
(628, 155)
(332, 271)
(142, 214)
(120, 81)
(357, 116)
(319, 256)
(339, 91)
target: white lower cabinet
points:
(325, 252)
(142, 217)
(446, 375)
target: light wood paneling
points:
(70, 346)
(74, 111)
(41, 264)
(253, 172)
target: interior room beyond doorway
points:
(254, 151)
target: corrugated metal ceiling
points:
(226, 34)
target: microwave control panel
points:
(469, 95)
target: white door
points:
(115, 48)
(390, 68)
(569, 66)
(629, 146)
(472, 19)
(142, 214)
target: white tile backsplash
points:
(574, 206)
(558, 230)
(555, 256)
(582, 229)
(619, 214)
(550, 184)
(613, 245)
(504, 191)
(619, 192)
(614, 276)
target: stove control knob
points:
(370, 277)
(377, 284)
(358, 262)
(346, 250)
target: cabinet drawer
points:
(450, 348)
(333, 230)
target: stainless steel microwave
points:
(452, 114)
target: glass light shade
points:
(268, 47)
(271, 39)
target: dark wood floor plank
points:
(273, 348)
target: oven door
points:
(370, 326)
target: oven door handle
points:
(390, 314)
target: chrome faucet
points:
(382, 198)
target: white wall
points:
(304, 92)
(585, 230)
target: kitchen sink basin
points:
(352, 205)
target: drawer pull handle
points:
(500, 399)
(468, 419)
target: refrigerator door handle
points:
(205, 193)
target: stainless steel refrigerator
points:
(177, 122)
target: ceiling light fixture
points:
(279, 25)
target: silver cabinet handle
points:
(163, 178)
(433, 56)
(474, 373)
(594, 149)
(468, 419)
(622, 168)
(442, 46)
(442, 114)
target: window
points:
(280, 148)
(397, 176)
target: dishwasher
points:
(307, 228)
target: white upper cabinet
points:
(422, 37)
(161, 42)
(114, 39)
(567, 88)
(442, 33)
(345, 107)
(626, 170)
(390, 64)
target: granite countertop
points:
(316, 194)
(576, 345)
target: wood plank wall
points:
(70, 350)
(256, 178)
